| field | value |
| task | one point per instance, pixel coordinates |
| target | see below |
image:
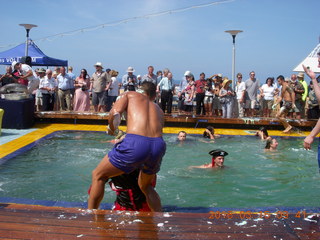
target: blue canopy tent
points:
(38, 58)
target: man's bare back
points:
(144, 117)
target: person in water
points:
(263, 133)
(217, 160)
(209, 133)
(142, 148)
(182, 136)
(271, 144)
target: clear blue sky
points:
(277, 34)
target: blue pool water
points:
(59, 169)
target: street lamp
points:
(27, 27)
(233, 34)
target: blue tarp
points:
(37, 56)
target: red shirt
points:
(200, 84)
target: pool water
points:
(59, 169)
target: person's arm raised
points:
(115, 113)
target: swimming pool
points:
(59, 168)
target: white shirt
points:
(47, 83)
(114, 87)
(239, 90)
(268, 92)
(33, 80)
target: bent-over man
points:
(143, 145)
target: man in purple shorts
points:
(143, 146)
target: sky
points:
(277, 34)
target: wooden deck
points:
(178, 120)
(38, 222)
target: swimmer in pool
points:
(271, 144)
(143, 145)
(209, 133)
(263, 134)
(182, 136)
(217, 159)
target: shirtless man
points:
(217, 159)
(316, 130)
(288, 97)
(142, 146)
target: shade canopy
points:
(38, 58)
(310, 61)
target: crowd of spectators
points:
(215, 96)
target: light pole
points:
(27, 27)
(233, 34)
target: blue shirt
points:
(183, 84)
(65, 82)
(73, 77)
(165, 84)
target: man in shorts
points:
(100, 84)
(288, 97)
(142, 147)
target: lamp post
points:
(27, 27)
(233, 34)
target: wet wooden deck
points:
(39, 222)
(184, 120)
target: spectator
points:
(298, 93)
(41, 72)
(113, 90)
(208, 97)
(200, 93)
(26, 72)
(129, 80)
(240, 90)
(252, 87)
(82, 98)
(189, 94)
(313, 104)
(267, 92)
(226, 95)
(48, 87)
(181, 95)
(8, 77)
(100, 83)
(305, 94)
(216, 105)
(150, 76)
(167, 88)
(64, 91)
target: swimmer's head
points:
(182, 136)
(211, 129)
(218, 157)
(271, 144)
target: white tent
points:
(310, 61)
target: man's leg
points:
(100, 175)
(152, 197)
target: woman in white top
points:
(208, 98)
(113, 91)
(267, 92)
